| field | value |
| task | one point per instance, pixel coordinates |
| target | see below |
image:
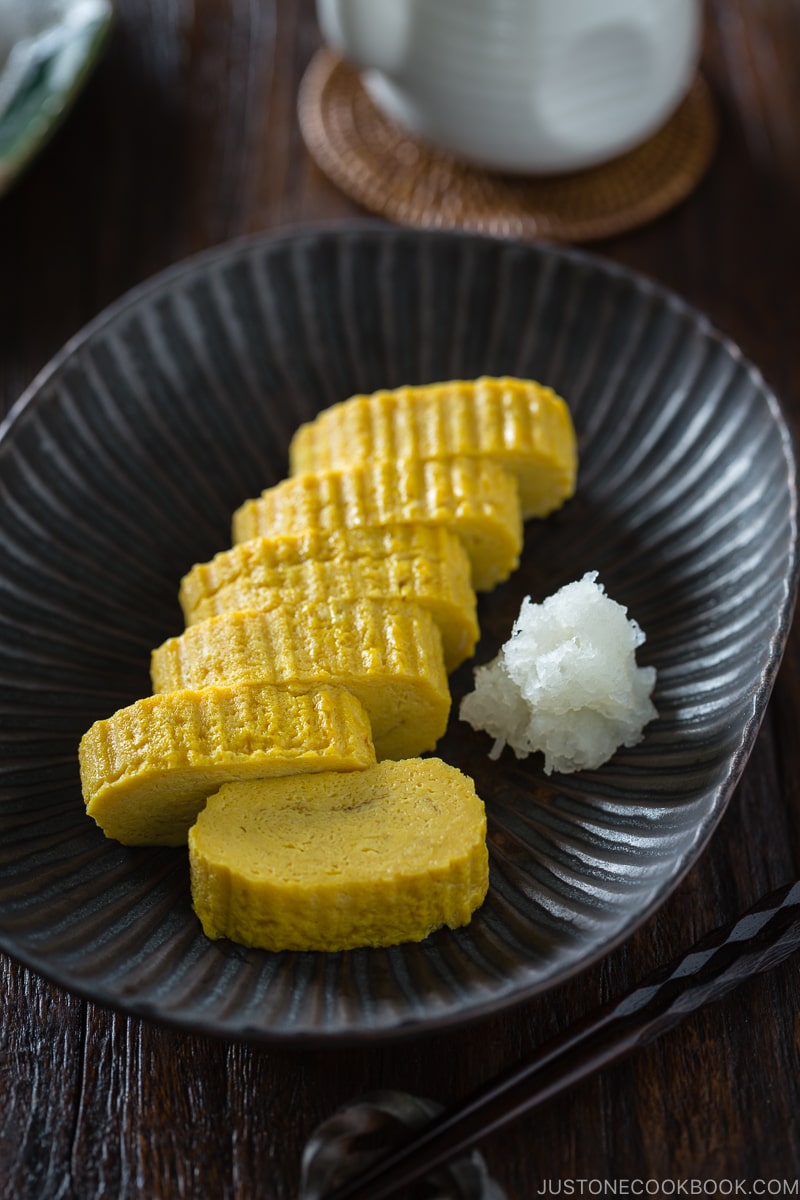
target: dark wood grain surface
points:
(186, 136)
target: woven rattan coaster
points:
(406, 180)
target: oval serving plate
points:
(121, 466)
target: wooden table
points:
(186, 136)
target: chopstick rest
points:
(359, 1133)
(756, 941)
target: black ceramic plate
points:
(121, 467)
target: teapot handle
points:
(370, 33)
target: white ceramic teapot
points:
(535, 86)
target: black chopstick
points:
(756, 941)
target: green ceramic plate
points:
(55, 70)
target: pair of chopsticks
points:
(756, 941)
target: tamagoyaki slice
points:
(147, 770)
(333, 861)
(471, 497)
(517, 423)
(426, 565)
(388, 653)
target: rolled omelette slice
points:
(332, 861)
(386, 652)
(471, 497)
(147, 770)
(521, 425)
(422, 564)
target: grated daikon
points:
(566, 682)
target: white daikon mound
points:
(566, 682)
